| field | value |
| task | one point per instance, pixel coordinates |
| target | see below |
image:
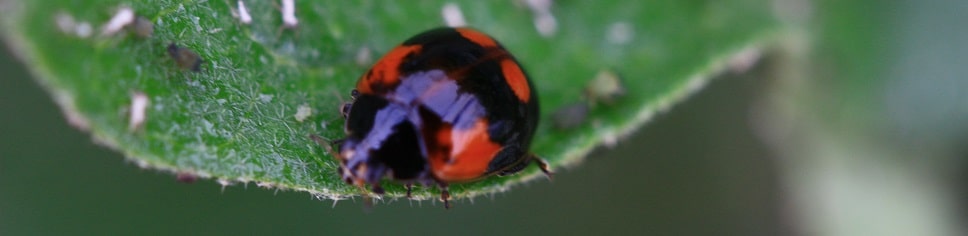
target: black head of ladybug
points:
(448, 105)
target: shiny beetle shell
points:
(448, 105)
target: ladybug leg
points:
(367, 200)
(332, 147)
(409, 187)
(326, 144)
(444, 195)
(320, 141)
(377, 189)
(543, 165)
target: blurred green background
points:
(887, 76)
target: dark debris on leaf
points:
(141, 27)
(185, 58)
(186, 178)
(570, 116)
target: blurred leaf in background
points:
(869, 120)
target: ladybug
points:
(449, 105)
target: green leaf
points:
(235, 120)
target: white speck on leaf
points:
(244, 16)
(453, 16)
(303, 112)
(83, 29)
(544, 21)
(198, 27)
(546, 24)
(265, 98)
(158, 106)
(65, 22)
(122, 18)
(620, 33)
(137, 112)
(209, 128)
(289, 14)
(605, 87)
(364, 57)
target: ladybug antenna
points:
(409, 186)
(377, 189)
(344, 107)
(326, 144)
(444, 194)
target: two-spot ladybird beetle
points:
(449, 105)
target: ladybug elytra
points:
(449, 105)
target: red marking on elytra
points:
(470, 152)
(386, 74)
(515, 78)
(477, 37)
